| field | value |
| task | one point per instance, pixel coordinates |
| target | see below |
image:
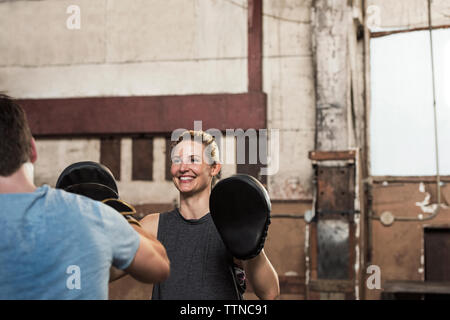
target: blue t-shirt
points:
(58, 245)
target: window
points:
(402, 117)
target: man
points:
(199, 259)
(55, 244)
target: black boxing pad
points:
(240, 208)
(90, 179)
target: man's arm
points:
(150, 263)
(262, 277)
(149, 229)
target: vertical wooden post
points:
(255, 45)
(333, 47)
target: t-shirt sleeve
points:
(123, 239)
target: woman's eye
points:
(176, 160)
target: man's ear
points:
(33, 151)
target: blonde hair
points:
(206, 140)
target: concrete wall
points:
(399, 249)
(122, 48)
(288, 79)
(164, 48)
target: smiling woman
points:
(197, 149)
(201, 265)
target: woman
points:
(201, 267)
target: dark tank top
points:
(199, 262)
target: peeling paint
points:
(357, 221)
(307, 270)
(422, 261)
(357, 270)
(421, 269)
(425, 205)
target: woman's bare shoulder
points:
(150, 223)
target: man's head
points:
(195, 162)
(16, 143)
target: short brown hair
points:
(15, 136)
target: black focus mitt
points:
(90, 179)
(95, 181)
(240, 208)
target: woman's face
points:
(190, 170)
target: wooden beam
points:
(332, 285)
(291, 284)
(288, 285)
(254, 66)
(388, 33)
(144, 115)
(417, 287)
(332, 155)
(410, 179)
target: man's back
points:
(57, 245)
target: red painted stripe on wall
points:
(144, 114)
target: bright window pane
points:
(401, 119)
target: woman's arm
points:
(262, 277)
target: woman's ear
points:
(33, 151)
(216, 169)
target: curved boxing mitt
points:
(240, 208)
(90, 179)
(95, 181)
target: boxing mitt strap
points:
(125, 209)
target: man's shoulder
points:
(75, 204)
(71, 199)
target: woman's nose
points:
(184, 166)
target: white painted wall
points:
(55, 155)
(288, 80)
(123, 48)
